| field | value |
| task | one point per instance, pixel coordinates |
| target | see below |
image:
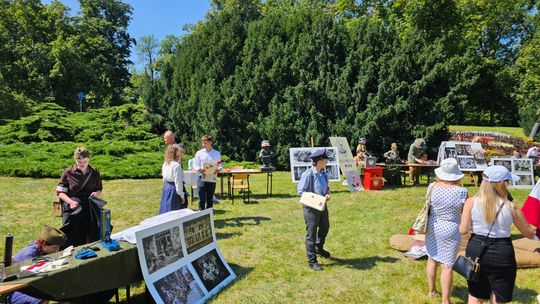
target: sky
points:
(157, 17)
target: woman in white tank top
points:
(498, 262)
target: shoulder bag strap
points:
(484, 244)
(85, 182)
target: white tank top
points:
(502, 226)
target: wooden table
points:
(229, 172)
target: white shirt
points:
(501, 227)
(173, 172)
(202, 156)
(532, 152)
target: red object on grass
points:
(531, 207)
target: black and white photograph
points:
(524, 180)
(300, 156)
(522, 165)
(198, 233)
(162, 249)
(333, 172)
(450, 152)
(507, 163)
(466, 163)
(210, 269)
(463, 150)
(300, 162)
(179, 287)
(479, 158)
(298, 171)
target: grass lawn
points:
(263, 241)
(514, 131)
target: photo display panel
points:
(300, 162)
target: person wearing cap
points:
(207, 155)
(415, 156)
(76, 185)
(49, 241)
(442, 237)
(490, 211)
(315, 179)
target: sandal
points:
(433, 294)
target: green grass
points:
(513, 131)
(263, 241)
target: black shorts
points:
(497, 268)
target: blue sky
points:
(158, 17)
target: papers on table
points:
(313, 200)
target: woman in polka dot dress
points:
(442, 236)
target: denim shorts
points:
(497, 268)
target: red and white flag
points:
(531, 208)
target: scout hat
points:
(495, 174)
(52, 235)
(265, 143)
(81, 152)
(449, 170)
(318, 154)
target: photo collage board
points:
(347, 164)
(300, 162)
(469, 156)
(181, 261)
(522, 167)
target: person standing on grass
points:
(172, 195)
(315, 179)
(77, 184)
(442, 236)
(490, 212)
(207, 155)
(168, 138)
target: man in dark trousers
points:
(315, 180)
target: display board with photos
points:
(347, 164)
(469, 156)
(181, 261)
(522, 167)
(300, 162)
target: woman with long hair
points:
(490, 212)
(172, 194)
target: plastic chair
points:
(240, 181)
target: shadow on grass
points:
(274, 195)
(240, 221)
(362, 263)
(221, 236)
(519, 296)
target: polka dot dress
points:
(443, 237)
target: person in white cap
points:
(490, 215)
(442, 236)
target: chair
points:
(240, 181)
(230, 170)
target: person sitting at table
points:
(392, 156)
(415, 156)
(49, 241)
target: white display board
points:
(300, 162)
(522, 167)
(469, 156)
(181, 261)
(347, 164)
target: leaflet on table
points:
(313, 200)
(209, 174)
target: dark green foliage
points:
(297, 73)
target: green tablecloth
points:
(82, 277)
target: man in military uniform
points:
(315, 180)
